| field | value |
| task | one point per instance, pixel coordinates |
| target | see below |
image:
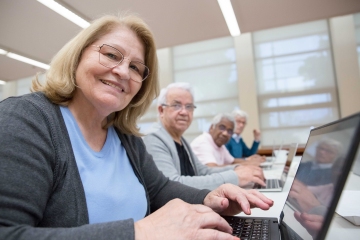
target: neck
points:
(174, 135)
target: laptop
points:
(292, 224)
(274, 184)
(356, 167)
(269, 161)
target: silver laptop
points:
(277, 185)
(292, 224)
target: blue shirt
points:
(112, 190)
(238, 149)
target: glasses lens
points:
(139, 71)
(222, 128)
(109, 56)
(189, 108)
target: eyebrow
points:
(178, 102)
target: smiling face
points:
(106, 90)
(221, 132)
(176, 121)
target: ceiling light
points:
(66, 13)
(27, 60)
(229, 15)
(2, 82)
(3, 52)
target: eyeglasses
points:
(223, 128)
(178, 107)
(110, 57)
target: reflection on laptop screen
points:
(319, 180)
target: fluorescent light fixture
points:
(2, 82)
(229, 15)
(24, 59)
(27, 60)
(66, 13)
(3, 52)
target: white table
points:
(340, 228)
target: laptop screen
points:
(320, 178)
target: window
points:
(295, 81)
(210, 67)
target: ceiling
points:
(30, 29)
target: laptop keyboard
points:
(249, 228)
(270, 183)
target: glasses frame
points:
(222, 128)
(182, 106)
(122, 55)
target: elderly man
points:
(172, 153)
(210, 146)
(236, 145)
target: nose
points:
(122, 70)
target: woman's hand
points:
(180, 220)
(229, 199)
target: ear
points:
(160, 110)
(211, 128)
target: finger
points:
(261, 196)
(213, 234)
(258, 180)
(213, 220)
(259, 174)
(257, 199)
(218, 203)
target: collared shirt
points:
(207, 151)
(236, 137)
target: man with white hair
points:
(236, 145)
(172, 153)
(210, 148)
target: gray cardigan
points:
(41, 194)
(162, 147)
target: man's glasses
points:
(178, 107)
(223, 128)
(110, 57)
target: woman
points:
(72, 165)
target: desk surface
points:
(340, 228)
(268, 151)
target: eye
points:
(189, 107)
(135, 67)
(113, 56)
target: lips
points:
(113, 85)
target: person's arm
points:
(187, 221)
(167, 161)
(247, 152)
(32, 177)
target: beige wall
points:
(346, 64)
(247, 84)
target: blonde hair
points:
(60, 84)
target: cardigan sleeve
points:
(168, 162)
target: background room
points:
(294, 65)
